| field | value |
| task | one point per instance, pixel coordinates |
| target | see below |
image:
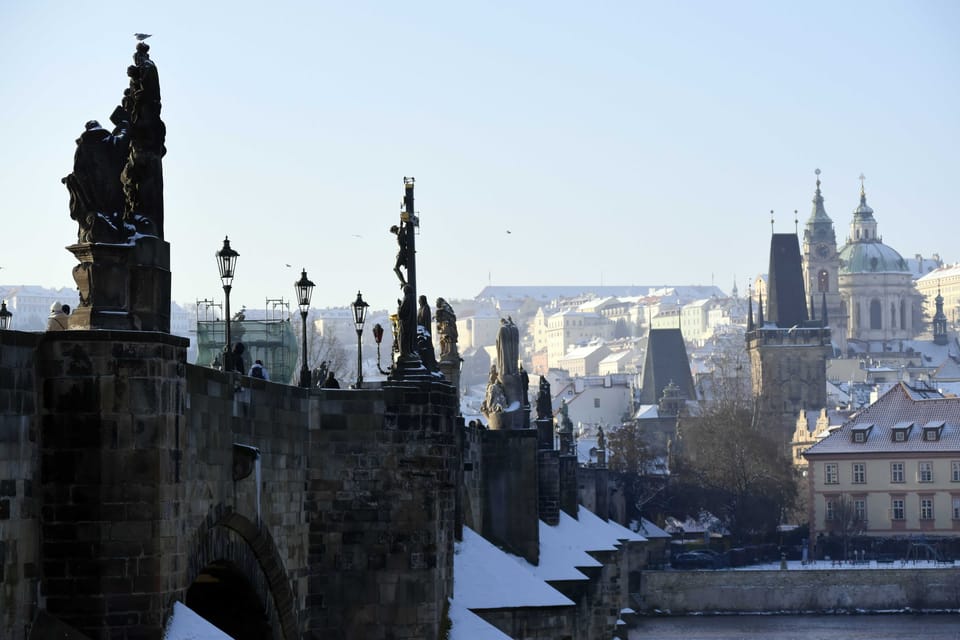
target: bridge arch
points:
(229, 547)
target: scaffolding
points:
(270, 339)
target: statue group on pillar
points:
(116, 187)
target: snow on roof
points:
(485, 577)
(581, 352)
(649, 530)
(647, 412)
(466, 625)
(186, 624)
(946, 271)
(605, 531)
(561, 552)
(618, 355)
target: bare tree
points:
(327, 350)
(848, 520)
(641, 474)
(735, 469)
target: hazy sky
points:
(622, 143)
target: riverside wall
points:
(686, 592)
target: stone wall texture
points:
(19, 484)
(682, 592)
(510, 491)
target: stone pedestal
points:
(450, 368)
(544, 432)
(123, 286)
(103, 280)
(150, 284)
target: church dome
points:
(871, 257)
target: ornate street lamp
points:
(227, 262)
(359, 317)
(5, 316)
(304, 289)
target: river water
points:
(806, 627)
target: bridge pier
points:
(111, 424)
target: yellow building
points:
(894, 469)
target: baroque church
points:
(868, 286)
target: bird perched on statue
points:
(142, 36)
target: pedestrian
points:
(330, 382)
(237, 358)
(57, 320)
(259, 371)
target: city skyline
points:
(632, 144)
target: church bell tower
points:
(821, 267)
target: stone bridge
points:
(130, 480)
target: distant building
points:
(943, 281)
(567, 329)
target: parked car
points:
(694, 560)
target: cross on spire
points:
(862, 190)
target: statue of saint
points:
(142, 175)
(544, 405)
(446, 328)
(423, 314)
(508, 347)
(406, 323)
(495, 400)
(96, 193)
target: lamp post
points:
(359, 317)
(378, 337)
(227, 262)
(5, 316)
(304, 289)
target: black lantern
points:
(227, 262)
(359, 317)
(5, 316)
(304, 289)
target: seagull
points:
(508, 231)
(142, 36)
(288, 266)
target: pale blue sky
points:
(633, 142)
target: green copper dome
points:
(871, 257)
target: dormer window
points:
(860, 433)
(900, 432)
(932, 430)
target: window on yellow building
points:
(896, 472)
(896, 509)
(830, 473)
(926, 508)
(859, 473)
